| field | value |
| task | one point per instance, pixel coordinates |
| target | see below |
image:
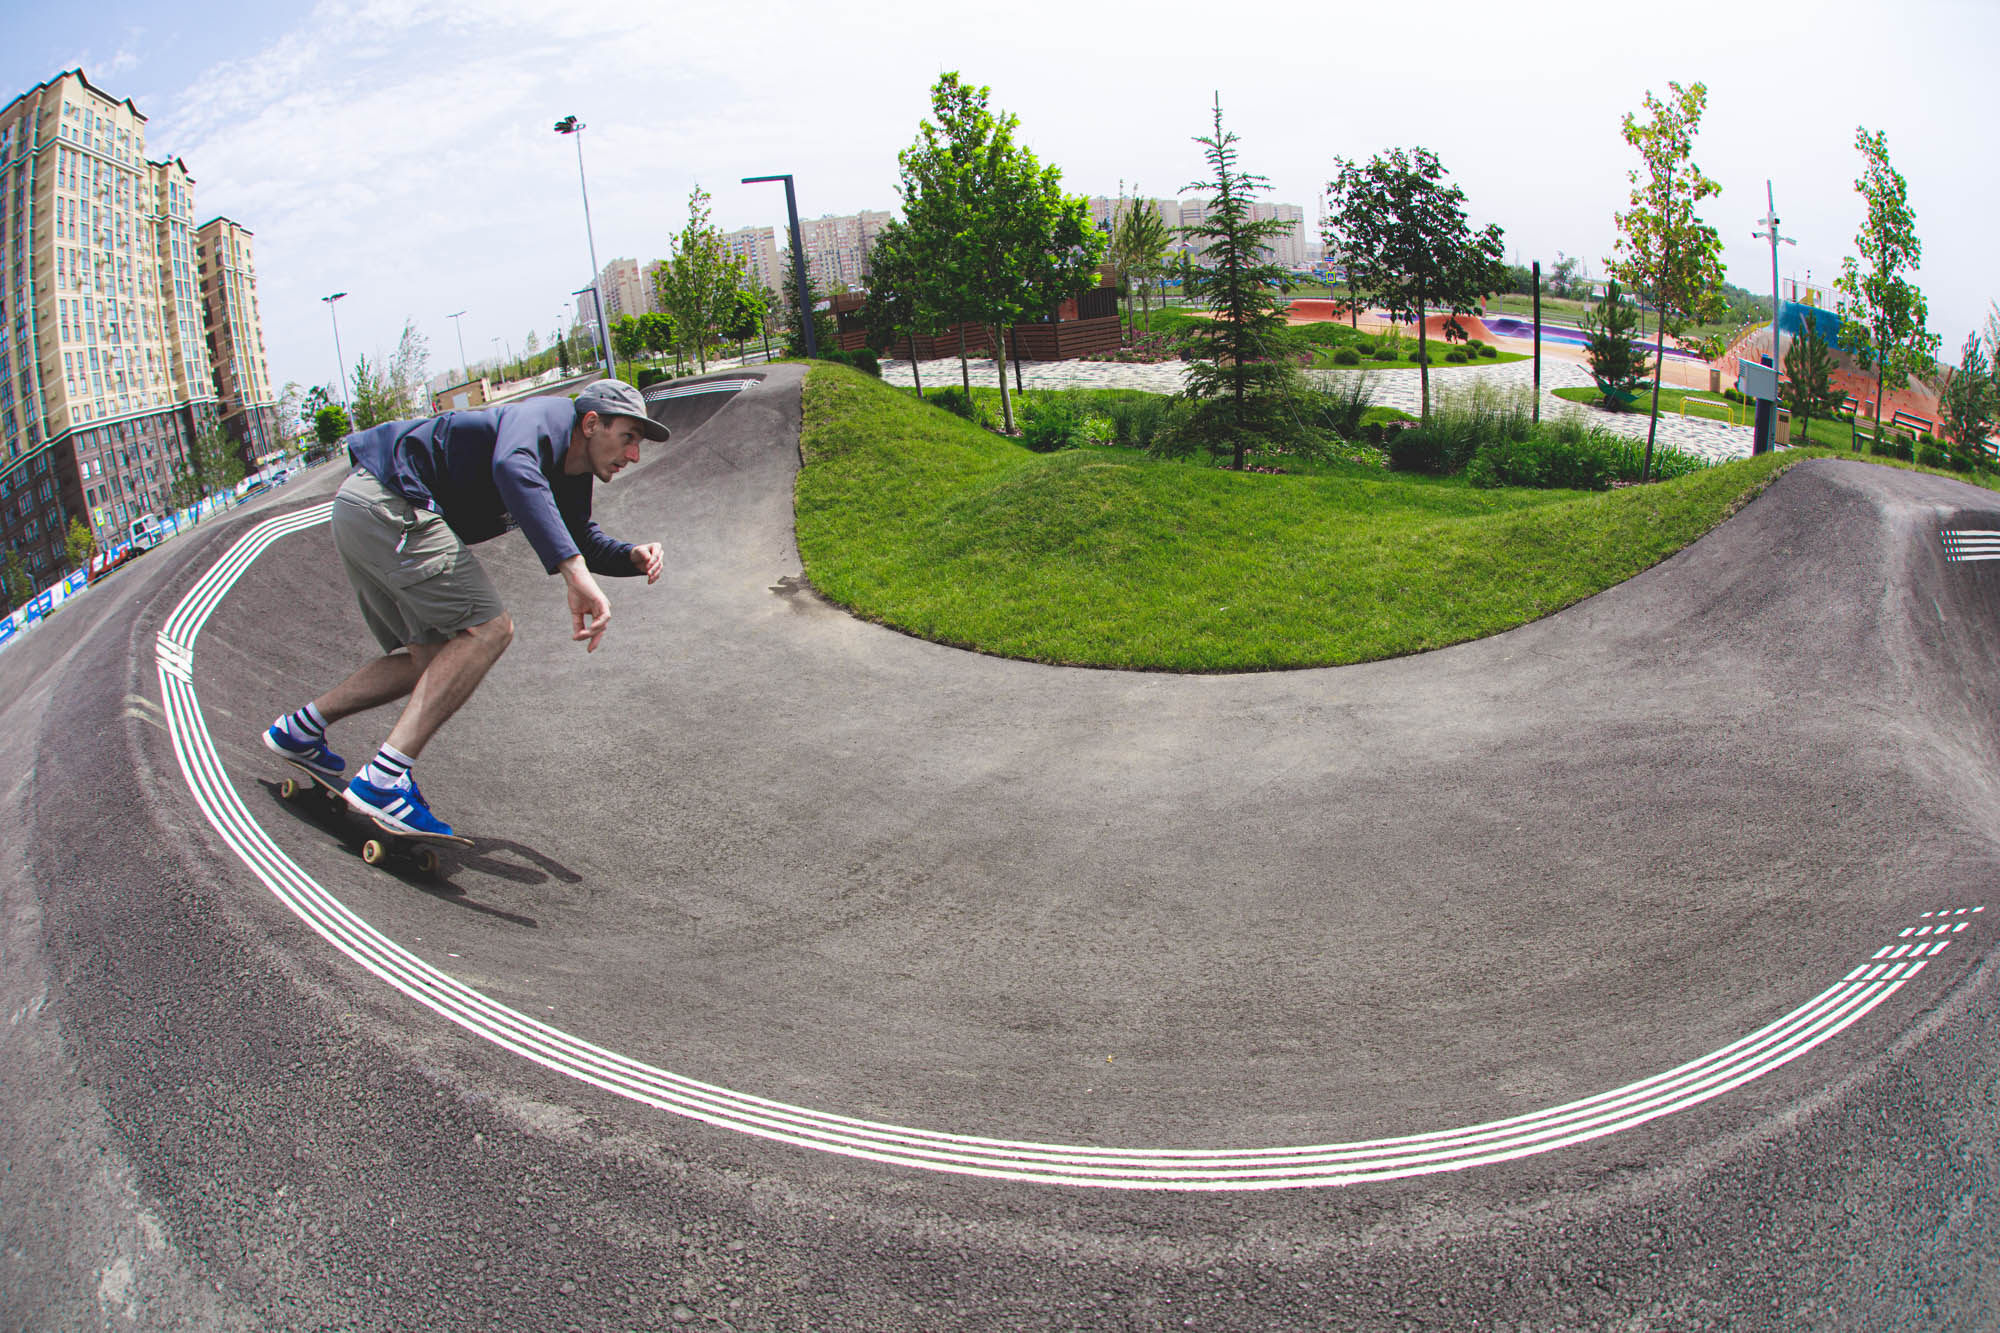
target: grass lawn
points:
(1820, 432)
(1325, 338)
(1706, 405)
(1097, 401)
(909, 516)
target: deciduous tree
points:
(1883, 315)
(408, 371)
(698, 281)
(78, 544)
(997, 239)
(1664, 252)
(1412, 249)
(376, 398)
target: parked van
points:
(146, 532)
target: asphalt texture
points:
(761, 844)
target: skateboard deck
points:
(420, 848)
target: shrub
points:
(1561, 452)
(1052, 420)
(1365, 346)
(958, 403)
(1385, 354)
(1929, 455)
(1134, 421)
(1488, 350)
(1455, 356)
(651, 375)
(1338, 410)
(1346, 356)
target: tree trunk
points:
(914, 373)
(1653, 425)
(964, 371)
(1423, 361)
(1000, 364)
(1881, 374)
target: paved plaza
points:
(1712, 440)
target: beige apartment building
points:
(837, 247)
(105, 378)
(757, 247)
(228, 280)
(624, 292)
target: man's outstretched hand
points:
(589, 608)
(646, 559)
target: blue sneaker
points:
(313, 754)
(402, 808)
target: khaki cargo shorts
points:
(416, 581)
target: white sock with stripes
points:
(387, 769)
(305, 725)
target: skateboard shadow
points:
(497, 858)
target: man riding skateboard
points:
(420, 493)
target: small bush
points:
(1929, 455)
(1488, 350)
(1385, 354)
(1337, 411)
(1547, 458)
(652, 375)
(1346, 356)
(1365, 346)
(1455, 357)
(958, 403)
(1052, 420)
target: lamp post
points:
(597, 314)
(798, 258)
(571, 125)
(464, 368)
(339, 363)
(1766, 439)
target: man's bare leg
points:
(446, 680)
(381, 681)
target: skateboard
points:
(420, 848)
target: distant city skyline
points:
(421, 186)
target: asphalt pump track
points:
(1629, 969)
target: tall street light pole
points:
(1769, 222)
(464, 369)
(571, 125)
(339, 362)
(798, 258)
(597, 310)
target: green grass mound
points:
(912, 517)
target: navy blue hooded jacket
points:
(479, 469)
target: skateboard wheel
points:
(288, 789)
(426, 859)
(373, 852)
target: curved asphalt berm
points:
(758, 845)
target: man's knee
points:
(494, 634)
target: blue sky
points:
(402, 152)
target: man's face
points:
(609, 443)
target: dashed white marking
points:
(1770, 1047)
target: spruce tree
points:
(1242, 354)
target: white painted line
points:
(1883, 950)
(1912, 930)
(1902, 949)
(1954, 930)
(1700, 1080)
(1914, 969)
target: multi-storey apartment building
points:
(103, 388)
(624, 292)
(757, 247)
(228, 280)
(837, 247)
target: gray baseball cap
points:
(616, 398)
